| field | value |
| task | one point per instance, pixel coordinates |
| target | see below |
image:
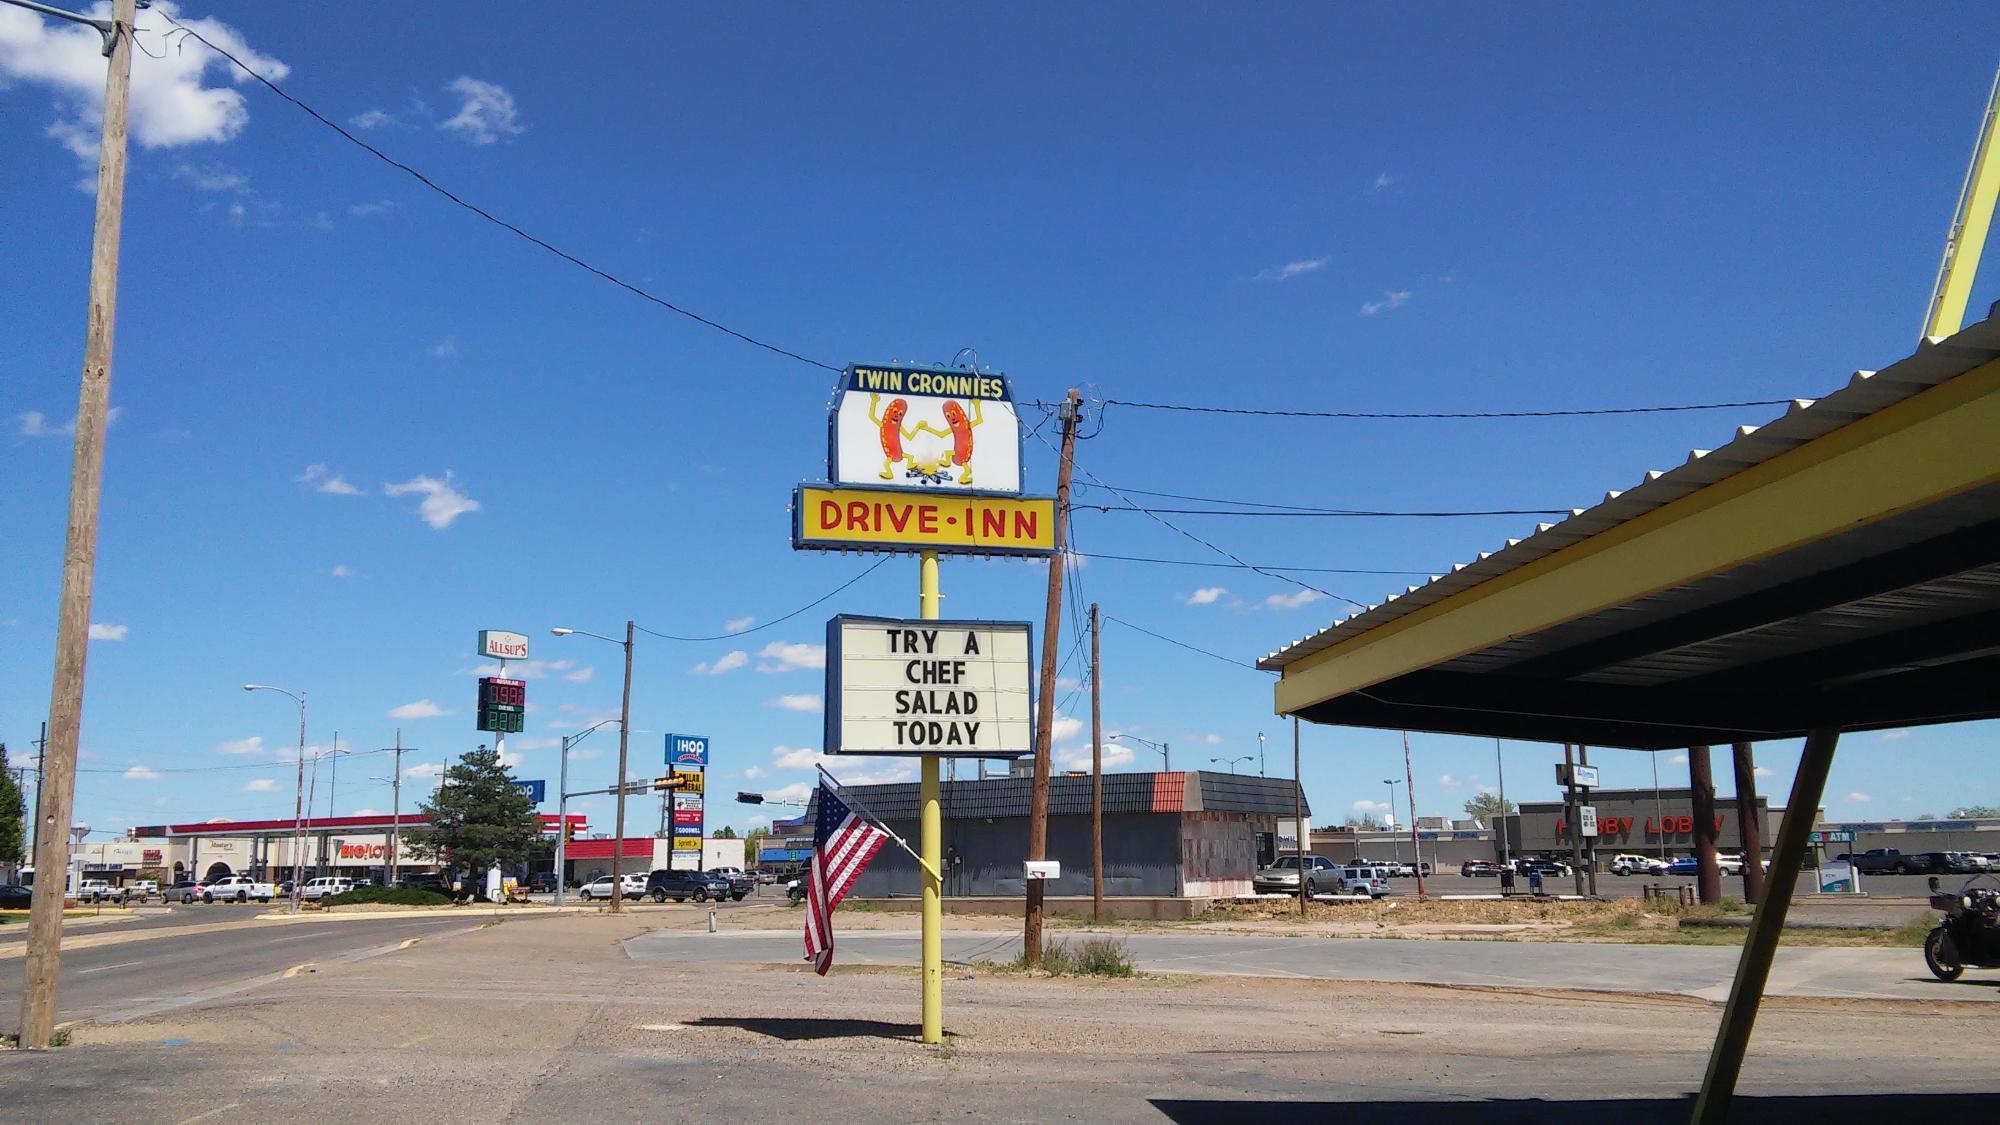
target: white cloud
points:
(728, 662)
(442, 503)
(509, 759)
(1450, 783)
(1065, 728)
(1393, 299)
(1895, 735)
(1371, 806)
(371, 119)
(1678, 760)
(528, 670)
(425, 769)
(796, 703)
(795, 792)
(788, 758)
(172, 104)
(580, 676)
(1383, 181)
(535, 743)
(243, 747)
(1213, 739)
(213, 176)
(485, 114)
(1859, 798)
(738, 624)
(141, 773)
(342, 570)
(323, 481)
(1291, 270)
(421, 709)
(446, 348)
(103, 632)
(1207, 595)
(785, 656)
(365, 812)
(1293, 600)
(34, 423)
(373, 207)
(753, 772)
(260, 785)
(1763, 771)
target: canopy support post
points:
(1746, 992)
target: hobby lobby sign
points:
(1622, 826)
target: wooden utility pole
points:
(1749, 825)
(396, 806)
(58, 790)
(1299, 828)
(1096, 780)
(1701, 786)
(1045, 710)
(1589, 842)
(1571, 816)
(624, 730)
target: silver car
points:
(1282, 877)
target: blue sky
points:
(355, 425)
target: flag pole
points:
(877, 821)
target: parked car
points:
(184, 891)
(1879, 861)
(324, 886)
(99, 890)
(740, 885)
(1282, 877)
(13, 896)
(542, 883)
(237, 888)
(680, 886)
(426, 881)
(1547, 868)
(795, 890)
(1478, 869)
(629, 886)
(1629, 864)
(1370, 881)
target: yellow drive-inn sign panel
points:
(832, 518)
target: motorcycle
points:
(1968, 936)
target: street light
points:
(1395, 842)
(299, 799)
(624, 735)
(562, 805)
(1166, 760)
(1231, 761)
(1260, 753)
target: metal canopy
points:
(1836, 569)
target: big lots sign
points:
(1621, 826)
(364, 851)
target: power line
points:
(284, 765)
(1324, 513)
(1247, 566)
(1420, 415)
(1181, 644)
(1305, 510)
(776, 620)
(490, 216)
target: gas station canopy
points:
(1835, 569)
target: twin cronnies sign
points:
(950, 688)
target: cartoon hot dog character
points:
(961, 439)
(892, 436)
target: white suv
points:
(1370, 881)
(1638, 865)
(325, 885)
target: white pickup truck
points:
(99, 890)
(237, 888)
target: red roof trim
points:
(317, 824)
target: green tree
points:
(478, 817)
(13, 826)
(1967, 813)
(1486, 807)
(1366, 822)
(725, 833)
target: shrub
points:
(393, 896)
(1091, 957)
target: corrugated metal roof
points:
(1936, 361)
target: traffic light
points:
(671, 781)
(743, 798)
(569, 832)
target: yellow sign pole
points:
(931, 844)
(1969, 225)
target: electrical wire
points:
(1304, 510)
(1328, 513)
(489, 216)
(1247, 566)
(879, 563)
(1423, 415)
(290, 764)
(1180, 644)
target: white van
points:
(325, 885)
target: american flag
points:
(843, 844)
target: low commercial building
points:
(1180, 834)
(1654, 822)
(584, 860)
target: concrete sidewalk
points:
(1686, 970)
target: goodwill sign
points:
(947, 688)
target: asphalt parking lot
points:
(1630, 886)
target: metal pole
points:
(1038, 811)
(396, 809)
(1701, 782)
(44, 943)
(624, 730)
(1260, 754)
(1753, 967)
(333, 773)
(1500, 764)
(1299, 827)
(1589, 842)
(1097, 779)
(1659, 809)
(1749, 826)
(1570, 804)
(562, 824)
(1395, 841)
(930, 841)
(1969, 222)
(1410, 791)
(299, 815)
(1166, 757)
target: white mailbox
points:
(1042, 869)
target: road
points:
(1689, 970)
(1629, 886)
(167, 969)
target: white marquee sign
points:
(948, 688)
